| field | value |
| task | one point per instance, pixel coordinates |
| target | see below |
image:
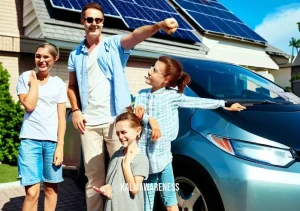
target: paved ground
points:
(70, 197)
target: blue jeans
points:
(164, 183)
(35, 162)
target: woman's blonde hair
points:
(53, 49)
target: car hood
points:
(279, 123)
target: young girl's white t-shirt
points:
(42, 123)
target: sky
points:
(274, 20)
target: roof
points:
(67, 34)
(270, 49)
(297, 61)
(38, 23)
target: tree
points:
(293, 43)
(297, 46)
(11, 117)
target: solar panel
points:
(161, 5)
(77, 5)
(212, 16)
(136, 13)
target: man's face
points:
(92, 22)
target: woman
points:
(43, 129)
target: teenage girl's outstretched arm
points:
(205, 103)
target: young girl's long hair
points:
(175, 73)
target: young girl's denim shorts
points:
(167, 192)
(35, 162)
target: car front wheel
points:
(195, 189)
(189, 196)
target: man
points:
(98, 90)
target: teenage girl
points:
(161, 103)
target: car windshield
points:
(233, 83)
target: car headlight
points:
(254, 152)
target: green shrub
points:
(288, 89)
(11, 116)
(295, 77)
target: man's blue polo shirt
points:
(112, 59)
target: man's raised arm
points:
(129, 41)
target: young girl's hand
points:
(105, 190)
(139, 112)
(129, 156)
(155, 129)
(236, 107)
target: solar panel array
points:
(77, 5)
(212, 16)
(135, 13)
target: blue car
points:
(232, 161)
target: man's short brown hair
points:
(91, 5)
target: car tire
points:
(197, 191)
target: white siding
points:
(282, 76)
(11, 17)
(135, 77)
(10, 61)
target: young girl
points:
(161, 103)
(127, 168)
(43, 129)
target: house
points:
(25, 24)
(282, 75)
(296, 65)
(296, 70)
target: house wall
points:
(295, 69)
(11, 17)
(10, 31)
(237, 52)
(266, 74)
(135, 72)
(282, 76)
(17, 63)
(10, 61)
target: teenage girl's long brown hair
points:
(175, 73)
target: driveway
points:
(70, 197)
